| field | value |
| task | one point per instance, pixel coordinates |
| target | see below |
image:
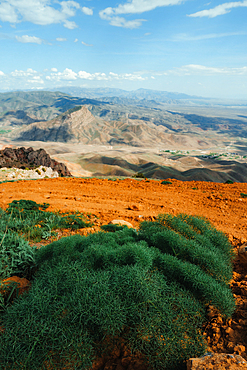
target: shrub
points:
(139, 175)
(165, 182)
(34, 222)
(148, 290)
(243, 195)
(111, 227)
(16, 255)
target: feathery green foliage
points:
(148, 288)
(16, 255)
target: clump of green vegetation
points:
(243, 195)
(112, 227)
(139, 175)
(166, 182)
(33, 222)
(147, 289)
(43, 169)
(229, 182)
(16, 255)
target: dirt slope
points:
(134, 200)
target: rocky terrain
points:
(27, 158)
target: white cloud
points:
(7, 12)
(67, 74)
(112, 76)
(29, 39)
(54, 69)
(1, 73)
(196, 69)
(85, 75)
(61, 39)
(70, 25)
(184, 37)
(84, 43)
(35, 80)
(122, 22)
(76, 40)
(133, 7)
(219, 9)
(20, 73)
(87, 11)
(38, 12)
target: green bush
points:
(243, 195)
(16, 255)
(31, 219)
(139, 175)
(111, 227)
(148, 289)
(166, 182)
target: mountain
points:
(78, 125)
(23, 107)
(145, 95)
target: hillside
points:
(80, 126)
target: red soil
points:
(134, 201)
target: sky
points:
(187, 46)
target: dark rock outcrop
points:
(29, 158)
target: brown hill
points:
(184, 169)
(78, 125)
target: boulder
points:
(217, 361)
(242, 253)
(22, 285)
(29, 158)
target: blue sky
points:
(189, 46)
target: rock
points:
(217, 361)
(29, 158)
(134, 208)
(22, 285)
(121, 223)
(239, 349)
(242, 253)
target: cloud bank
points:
(41, 12)
(219, 9)
(133, 7)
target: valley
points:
(158, 135)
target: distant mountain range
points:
(147, 96)
(139, 119)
